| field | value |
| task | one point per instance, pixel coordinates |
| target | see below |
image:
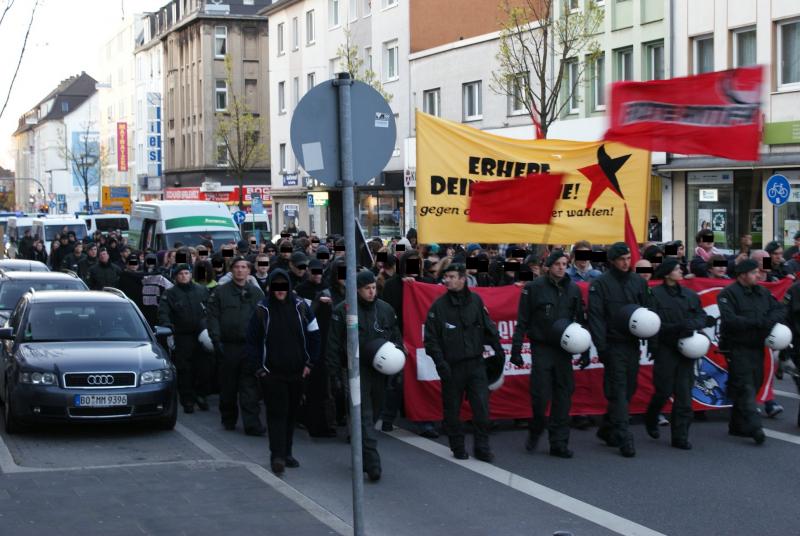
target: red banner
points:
(122, 146)
(715, 114)
(512, 401)
(227, 194)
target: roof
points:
(50, 276)
(73, 92)
(278, 5)
(66, 297)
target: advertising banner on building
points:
(84, 159)
(603, 184)
(226, 194)
(422, 391)
(122, 146)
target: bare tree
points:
(538, 43)
(353, 64)
(21, 53)
(239, 129)
(85, 158)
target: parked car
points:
(13, 285)
(84, 356)
(22, 265)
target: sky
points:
(65, 39)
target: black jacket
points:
(680, 312)
(376, 320)
(229, 310)
(72, 262)
(457, 327)
(791, 301)
(103, 275)
(607, 295)
(747, 315)
(85, 266)
(183, 307)
(543, 301)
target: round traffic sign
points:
(239, 216)
(778, 190)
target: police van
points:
(47, 229)
(105, 223)
(159, 225)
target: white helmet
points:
(694, 346)
(644, 323)
(575, 339)
(779, 338)
(389, 359)
(205, 341)
(497, 384)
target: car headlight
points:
(155, 376)
(37, 378)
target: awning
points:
(697, 163)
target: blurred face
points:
(280, 295)
(240, 271)
(747, 240)
(183, 277)
(675, 275)
(368, 292)
(558, 268)
(299, 270)
(623, 263)
(92, 252)
(262, 270)
(582, 265)
(718, 271)
(103, 256)
(776, 257)
(454, 281)
(78, 249)
(749, 279)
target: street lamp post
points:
(37, 181)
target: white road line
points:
(783, 436)
(786, 394)
(309, 505)
(550, 496)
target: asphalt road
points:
(200, 479)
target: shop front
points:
(788, 215)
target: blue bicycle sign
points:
(778, 190)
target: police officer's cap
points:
(618, 249)
(665, 268)
(456, 267)
(364, 278)
(745, 266)
(181, 267)
(554, 256)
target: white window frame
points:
(790, 86)
(295, 34)
(220, 147)
(367, 8)
(512, 96)
(620, 55)
(334, 14)
(737, 33)
(311, 81)
(388, 4)
(368, 59)
(391, 60)
(282, 156)
(599, 83)
(281, 97)
(311, 36)
(279, 38)
(220, 32)
(478, 84)
(353, 10)
(572, 68)
(220, 91)
(574, 5)
(695, 52)
(295, 90)
(436, 93)
(650, 48)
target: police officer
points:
(544, 301)
(748, 312)
(229, 311)
(183, 308)
(457, 327)
(376, 320)
(617, 348)
(673, 374)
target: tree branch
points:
(21, 54)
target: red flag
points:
(529, 200)
(715, 114)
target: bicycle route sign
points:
(778, 190)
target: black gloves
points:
(710, 321)
(516, 359)
(585, 360)
(443, 368)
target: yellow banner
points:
(600, 179)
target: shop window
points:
(381, 213)
(788, 214)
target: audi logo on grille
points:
(100, 379)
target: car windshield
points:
(111, 224)
(52, 322)
(12, 291)
(50, 231)
(10, 265)
(219, 238)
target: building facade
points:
(309, 43)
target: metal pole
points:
(343, 82)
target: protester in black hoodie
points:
(283, 342)
(314, 284)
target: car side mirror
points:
(160, 331)
(7, 334)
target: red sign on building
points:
(122, 146)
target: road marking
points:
(786, 394)
(783, 436)
(573, 506)
(309, 505)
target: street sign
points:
(310, 200)
(315, 132)
(778, 190)
(257, 204)
(239, 216)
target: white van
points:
(159, 225)
(257, 223)
(48, 228)
(105, 223)
(16, 227)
